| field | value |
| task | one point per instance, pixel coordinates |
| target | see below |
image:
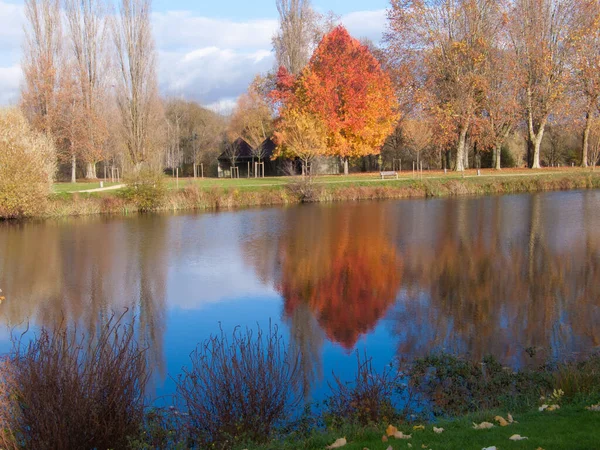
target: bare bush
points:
(304, 188)
(368, 399)
(240, 389)
(68, 390)
(27, 165)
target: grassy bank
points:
(570, 428)
(244, 391)
(213, 194)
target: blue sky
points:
(208, 50)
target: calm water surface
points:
(476, 276)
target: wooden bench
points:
(388, 174)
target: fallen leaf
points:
(517, 437)
(438, 430)
(510, 418)
(424, 446)
(539, 448)
(545, 407)
(594, 407)
(501, 421)
(390, 448)
(400, 435)
(483, 426)
(490, 448)
(365, 448)
(419, 427)
(384, 438)
(391, 430)
(338, 443)
(409, 445)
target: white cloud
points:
(10, 81)
(181, 29)
(11, 26)
(209, 60)
(369, 24)
(211, 75)
(214, 60)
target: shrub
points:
(305, 189)
(454, 386)
(369, 399)
(239, 390)
(146, 188)
(67, 390)
(27, 165)
(579, 378)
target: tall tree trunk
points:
(461, 149)
(73, 169)
(498, 155)
(586, 139)
(345, 162)
(90, 171)
(537, 144)
(535, 138)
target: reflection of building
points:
(245, 158)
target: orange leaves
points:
(345, 89)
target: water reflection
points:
(85, 271)
(514, 273)
(477, 276)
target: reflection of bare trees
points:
(83, 271)
(494, 283)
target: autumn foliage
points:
(345, 88)
(27, 165)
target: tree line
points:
(453, 83)
(469, 77)
(91, 85)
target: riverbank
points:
(213, 194)
(569, 428)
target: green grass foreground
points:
(570, 428)
(215, 194)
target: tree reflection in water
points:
(493, 275)
(81, 273)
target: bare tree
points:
(42, 62)
(137, 91)
(540, 32)
(232, 151)
(87, 22)
(252, 119)
(419, 135)
(298, 32)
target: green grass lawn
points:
(361, 179)
(571, 428)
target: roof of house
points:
(245, 150)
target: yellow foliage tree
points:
(27, 166)
(300, 135)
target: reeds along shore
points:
(193, 197)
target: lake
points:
(513, 276)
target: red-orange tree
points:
(346, 89)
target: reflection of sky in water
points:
(396, 278)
